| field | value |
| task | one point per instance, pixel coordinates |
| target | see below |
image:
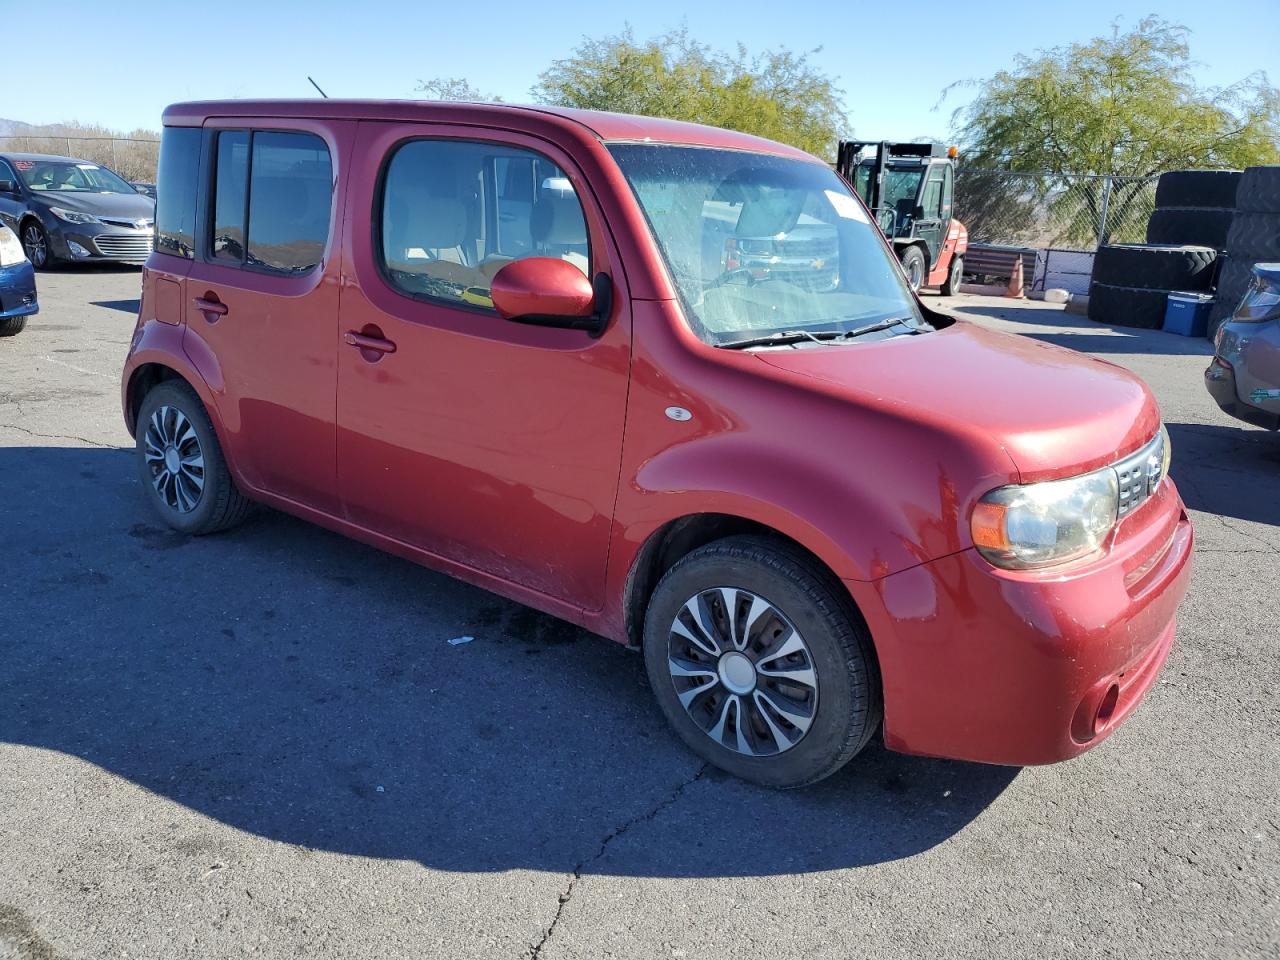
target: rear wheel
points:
(758, 663)
(913, 266)
(181, 464)
(951, 286)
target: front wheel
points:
(913, 266)
(35, 244)
(12, 326)
(759, 664)
(951, 286)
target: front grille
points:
(1139, 474)
(816, 247)
(132, 224)
(120, 247)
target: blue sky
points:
(892, 63)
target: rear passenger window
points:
(454, 213)
(176, 191)
(271, 200)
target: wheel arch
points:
(145, 378)
(679, 537)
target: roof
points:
(43, 156)
(607, 127)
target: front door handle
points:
(210, 304)
(364, 341)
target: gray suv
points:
(63, 209)
(1244, 375)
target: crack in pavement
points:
(59, 436)
(535, 951)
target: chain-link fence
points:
(132, 159)
(1073, 211)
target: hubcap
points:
(742, 672)
(33, 245)
(174, 458)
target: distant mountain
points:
(10, 128)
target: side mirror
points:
(8, 186)
(917, 212)
(549, 292)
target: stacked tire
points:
(1194, 206)
(1131, 283)
(1254, 237)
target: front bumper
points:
(18, 291)
(1028, 667)
(84, 242)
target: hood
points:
(1055, 412)
(133, 206)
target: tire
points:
(1127, 306)
(1203, 226)
(836, 715)
(913, 266)
(1259, 190)
(35, 244)
(1254, 236)
(218, 503)
(951, 286)
(1155, 267)
(1197, 188)
(12, 326)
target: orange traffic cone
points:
(1015, 288)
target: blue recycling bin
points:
(1187, 314)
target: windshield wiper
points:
(780, 337)
(783, 337)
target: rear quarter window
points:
(287, 179)
(176, 191)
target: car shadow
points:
(126, 306)
(1081, 333)
(1231, 471)
(292, 683)
(97, 266)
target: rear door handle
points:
(205, 305)
(364, 342)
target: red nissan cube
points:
(669, 383)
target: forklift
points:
(909, 188)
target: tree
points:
(453, 88)
(1126, 105)
(776, 94)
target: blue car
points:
(17, 285)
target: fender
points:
(165, 344)
(742, 451)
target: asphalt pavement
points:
(263, 742)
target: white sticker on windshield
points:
(87, 166)
(846, 206)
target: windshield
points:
(69, 176)
(759, 244)
(899, 184)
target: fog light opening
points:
(1106, 709)
(77, 250)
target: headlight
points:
(1038, 524)
(73, 216)
(1035, 524)
(11, 251)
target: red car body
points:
(540, 463)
